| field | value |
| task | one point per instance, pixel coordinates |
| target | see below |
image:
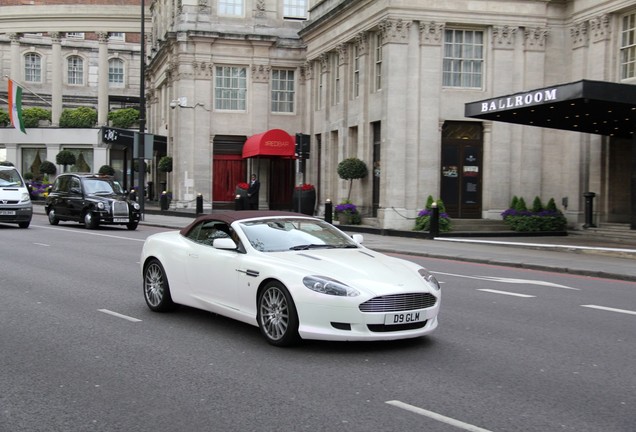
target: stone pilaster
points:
(56, 78)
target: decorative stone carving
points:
(534, 38)
(102, 37)
(55, 37)
(394, 31)
(579, 34)
(203, 6)
(259, 10)
(261, 73)
(343, 50)
(431, 33)
(361, 40)
(503, 37)
(600, 29)
(324, 62)
(202, 69)
(307, 70)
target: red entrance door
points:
(228, 171)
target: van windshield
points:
(10, 178)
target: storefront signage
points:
(519, 100)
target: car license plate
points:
(121, 220)
(7, 212)
(404, 317)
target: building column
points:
(56, 79)
(15, 56)
(102, 79)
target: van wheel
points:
(24, 224)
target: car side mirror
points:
(357, 238)
(224, 243)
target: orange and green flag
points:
(15, 105)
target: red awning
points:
(274, 142)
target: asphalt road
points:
(516, 350)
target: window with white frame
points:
(75, 35)
(230, 7)
(295, 9)
(33, 68)
(628, 47)
(283, 91)
(116, 72)
(463, 58)
(230, 88)
(355, 87)
(117, 36)
(378, 62)
(75, 70)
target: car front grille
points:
(120, 209)
(399, 302)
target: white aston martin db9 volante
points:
(293, 276)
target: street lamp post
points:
(142, 113)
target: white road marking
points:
(91, 233)
(543, 245)
(506, 293)
(42, 244)
(438, 417)
(118, 315)
(510, 280)
(625, 311)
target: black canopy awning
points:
(596, 107)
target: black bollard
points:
(163, 201)
(199, 203)
(328, 211)
(589, 210)
(238, 203)
(434, 228)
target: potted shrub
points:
(539, 218)
(352, 169)
(65, 158)
(106, 170)
(423, 219)
(82, 117)
(124, 118)
(33, 116)
(347, 213)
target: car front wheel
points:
(277, 316)
(90, 220)
(156, 288)
(132, 226)
(53, 220)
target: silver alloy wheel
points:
(154, 284)
(89, 220)
(274, 313)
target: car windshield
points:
(101, 186)
(10, 178)
(284, 234)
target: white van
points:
(15, 202)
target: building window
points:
(33, 68)
(628, 47)
(75, 70)
(463, 58)
(356, 71)
(378, 62)
(116, 72)
(117, 36)
(231, 7)
(230, 88)
(295, 9)
(283, 91)
(75, 35)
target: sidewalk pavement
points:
(572, 254)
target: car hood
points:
(11, 193)
(378, 273)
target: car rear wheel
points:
(53, 220)
(91, 221)
(277, 317)
(156, 288)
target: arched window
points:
(33, 68)
(116, 72)
(75, 70)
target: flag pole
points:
(28, 89)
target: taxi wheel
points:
(90, 220)
(53, 220)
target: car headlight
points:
(428, 277)
(100, 205)
(136, 206)
(25, 197)
(326, 285)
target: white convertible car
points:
(293, 276)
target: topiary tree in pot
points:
(352, 169)
(48, 168)
(106, 170)
(65, 158)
